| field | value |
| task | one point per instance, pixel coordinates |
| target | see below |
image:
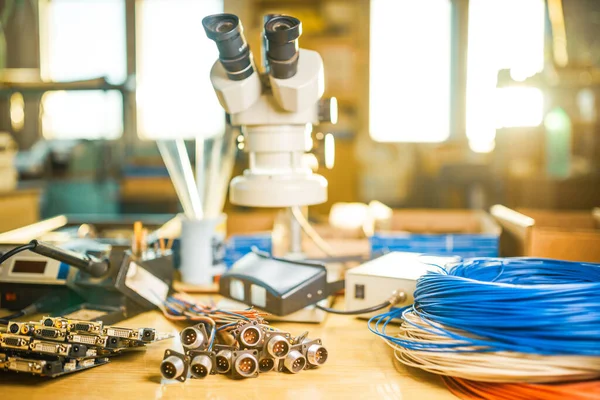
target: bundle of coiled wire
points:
(182, 307)
(501, 320)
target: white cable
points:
(311, 232)
(200, 172)
(488, 366)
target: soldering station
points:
(222, 190)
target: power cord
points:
(397, 297)
(311, 232)
(44, 304)
(84, 262)
(16, 250)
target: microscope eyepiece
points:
(282, 33)
(234, 54)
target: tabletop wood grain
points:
(360, 366)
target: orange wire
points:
(471, 390)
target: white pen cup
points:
(202, 249)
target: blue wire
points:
(528, 305)
(213, 335)
(233, 314)
(226, 326)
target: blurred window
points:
(87, 39)
(410, 70)
(82, 40)
(503, 34)
(174, 95)
(86, 114)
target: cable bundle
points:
(182, 307)
(522, 391)
(502, 320)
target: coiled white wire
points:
(489, 366)
(502, 320)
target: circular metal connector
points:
(250, 336)
(192, 338)
(48, 322)
(266, 364)
(328, 110)
(278, 346)
(246, 365)
(397, 297)
(223, 361)
(316, 355)
(200, 366)
(14, 328)
(172, 367)
(294, 362)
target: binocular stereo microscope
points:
(275, 110)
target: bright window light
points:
(82, 115)
(85, 39)
(482, 146)
(175, 98)
(17, 111)
(82, 40)
(519, 106)
(410, 70)
(503, 34)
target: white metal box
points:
(374, 282)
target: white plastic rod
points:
(188, 176)
(169, 155)
(226, 168)
(200, 174)
(211, 197)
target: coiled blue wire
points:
(528, 305)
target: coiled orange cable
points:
(473, 390)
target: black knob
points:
(328, 110)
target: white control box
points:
(374, 282)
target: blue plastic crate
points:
(485, 243)
(239, 245)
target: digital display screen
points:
(29, 267)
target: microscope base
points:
(278, 191)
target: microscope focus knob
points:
(328, 110)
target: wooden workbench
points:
(360, 366)
(19, 208)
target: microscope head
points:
(274, 111)
(296, 76)
(234, 76)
